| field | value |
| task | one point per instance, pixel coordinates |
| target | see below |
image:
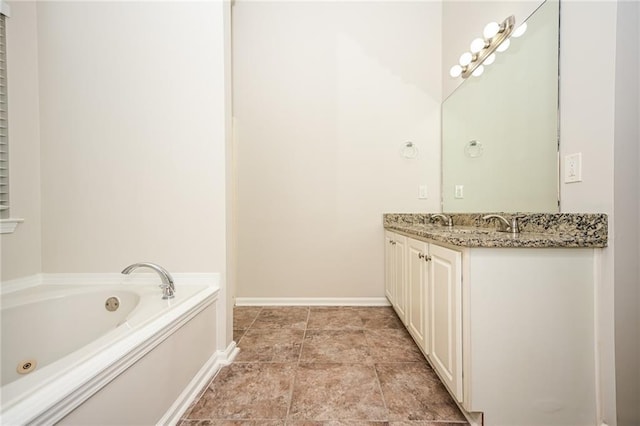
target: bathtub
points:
(67, 339)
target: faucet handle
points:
(515, 223)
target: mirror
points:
(500, 130)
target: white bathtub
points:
(78, 346)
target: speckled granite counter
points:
(536, 229)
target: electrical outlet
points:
(422, 192)
(573, 168)
(459, 191)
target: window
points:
(7, 224)
(4, 141)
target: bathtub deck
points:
(313, 365)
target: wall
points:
(325, 95)
(132, 108)
(21, 251)
(587, 110)
(627, 213)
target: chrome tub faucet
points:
(167, 286)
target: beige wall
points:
(325, 94)
(21, 251)
(132, 108)
(587, 110)
(627, 214)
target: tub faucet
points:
(446, 220)
(504, 225)
(167, 286)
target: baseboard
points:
(312, 301)
(197, 384)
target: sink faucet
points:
(504, 225)
(167, 286)
(446, 220)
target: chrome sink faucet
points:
(446, 220)
(167, 286)
(504, 225)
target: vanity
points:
(506, 320)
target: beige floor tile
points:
(237, 335)
(334, 318)
(380, 318)
(393, 345)
(412, 391)
(282, 317)
(325, 392)
(336, 346)
(232, 423)
(243, 316)
(247, 391)
(337, 423)
(282, 345)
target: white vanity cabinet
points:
(528, 335)
(508, 330)
(444, 309)
(417, 278)
(434, 306)
(395, 272)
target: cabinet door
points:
(445, 316)
(400, 277)
(389, 266)
(417, 290)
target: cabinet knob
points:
(421, 256)
(427, 258)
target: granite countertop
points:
(572, 230)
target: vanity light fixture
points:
(496, 39)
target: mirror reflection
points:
(500, 130)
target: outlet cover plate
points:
(573, 168)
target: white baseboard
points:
(312, 301)
(197, 384)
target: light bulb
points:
(504, 46)
(465, 59)
(478, 71)
(455, 71)
(490, 59)
(477, 45)
(520, 30)
(491, 30)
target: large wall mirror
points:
(500, 130)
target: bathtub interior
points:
(41, 328)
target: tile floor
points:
(308, 366)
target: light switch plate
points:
(422, 192)
(459, 191)
(573, 168)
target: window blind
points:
(4, 141)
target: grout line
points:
(297, 364)
(254, 319)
